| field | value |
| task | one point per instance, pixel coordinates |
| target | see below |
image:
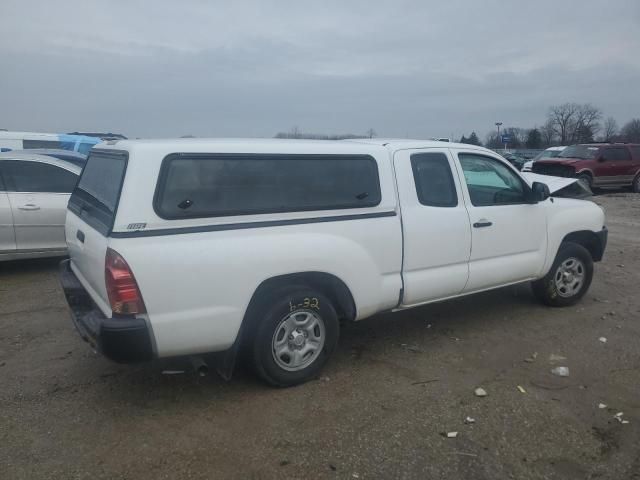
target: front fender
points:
(566, 216)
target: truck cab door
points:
(509, 234)
(7, 234)
(435, 222)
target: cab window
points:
(490, 182)
(434, 181)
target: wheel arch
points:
(328, 284)
(588, 240)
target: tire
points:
(569, 278)
(586, 178)
(635, 186)
(285, 328)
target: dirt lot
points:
(395, 385)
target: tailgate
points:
(90, 217)
(87, 250)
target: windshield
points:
(547, 154)
(579, 151)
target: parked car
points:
(31, 140)
(596, 164)
(76, 158)
(34, 191)
(186, 247)
(514, 159)
(551, 152)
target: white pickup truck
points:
(191, 247)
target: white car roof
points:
(272, 145)
(555, 149)
(31, 157)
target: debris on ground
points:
(480, 392)
(469, 420)
(424, 382)
(532, 358)
(618, 416)
(556, 358)
(522, 390)
(602, 406)
(452, 434)
(463, 453)
(560, 371)
(602, 340)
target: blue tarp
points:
(78, 143)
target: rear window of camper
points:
(222, 185)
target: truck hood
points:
(559, 186)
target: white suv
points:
(189, 247)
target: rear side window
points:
(220, 185)
(434, 181)
(615, 154)
(95, 199)
(37, 177)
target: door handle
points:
(482, 223)
(29, 206)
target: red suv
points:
(598, 164)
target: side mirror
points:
(540, 192)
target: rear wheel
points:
(294, 335)
(569, 277)
(635, 186)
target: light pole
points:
(498, 125)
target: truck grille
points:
(553, 169)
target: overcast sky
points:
(253, 68)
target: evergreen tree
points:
(474, 140)
(534, 138)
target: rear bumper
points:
(121, 339)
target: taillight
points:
(122, 289)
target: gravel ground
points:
(395, 385)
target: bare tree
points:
(587, 123)
(562, 117)
(371, 133)
(548, 133)
(609, 129)
(631, 131)
(573, 122)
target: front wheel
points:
(635, 186)
(296, 333)
(569, 277)
(586, 179)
